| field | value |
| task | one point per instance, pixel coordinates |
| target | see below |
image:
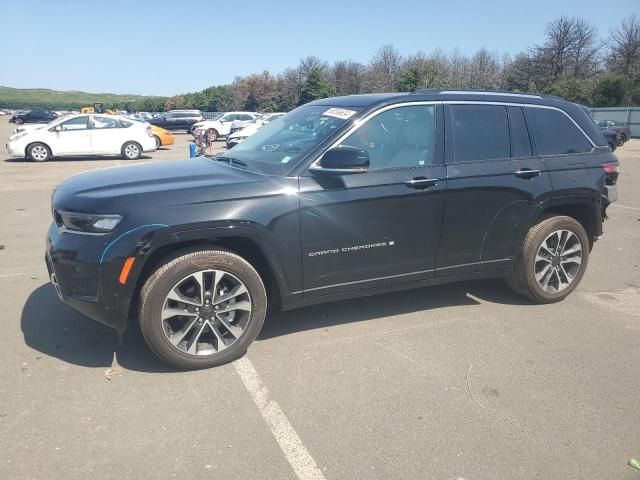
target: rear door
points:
(494, 184)
(107, 135)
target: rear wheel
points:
(18, 121)
(553, 260)
(131, 151)
(158, 141)
(622, 139)
(38, 152)
(202, 309)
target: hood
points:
(154, 185)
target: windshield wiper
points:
(229, 160)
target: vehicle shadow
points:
(52, 328)
(388, 305)
(78, 158)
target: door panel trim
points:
(500, 264)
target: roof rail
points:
(475, 92)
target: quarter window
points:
(78, 123)
(104, 122)
(555, 133)
(480, 132)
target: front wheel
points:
(158, 141)
(131, 151)
(38, 152)
(621, 140)
(202, 309)
(552, 261)
(18, 121)
(212, 135)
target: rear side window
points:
(520, 143)
(555, 133)
(480, 132)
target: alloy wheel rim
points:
(131, 151)
(558, 261)
(206, 312)
(39, 152)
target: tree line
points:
(574, 62)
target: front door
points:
(72, 138)
(494, 184)
(383, 226)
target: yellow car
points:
(163, 137)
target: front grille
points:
(85, 287)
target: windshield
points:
(286, 140)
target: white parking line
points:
(624, 206)
(294, 450)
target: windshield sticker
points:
(285, 159)
(341, 113)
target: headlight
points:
(86, 223)
(17, 136)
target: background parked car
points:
(221, 127)
(83, 135)
(33, 116)
(178, 119)
(238, 135)
(623, 130)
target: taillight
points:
(611, 167)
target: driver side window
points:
(397, 138)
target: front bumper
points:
(14, 150)
(82, 281)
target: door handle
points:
(527, 173)
(421, 183)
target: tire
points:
(18, 121)
(131, 151)
(158, 141)
(38, 152)
(622, 139)
(612, 146)
(567, 274)
(174, 276)
(212, 134)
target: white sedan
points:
(83, 135)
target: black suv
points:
(178, 119)
(342, 197)
(34, 116)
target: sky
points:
(168, 47)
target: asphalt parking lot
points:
(460, 381)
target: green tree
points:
(572, 89)
(410, 80)
(316, 86)
(610, 91)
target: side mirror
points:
(343, 160)
(57, 128)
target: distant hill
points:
(61, 100)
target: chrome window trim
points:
(358, 123)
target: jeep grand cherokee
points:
(342, 197)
